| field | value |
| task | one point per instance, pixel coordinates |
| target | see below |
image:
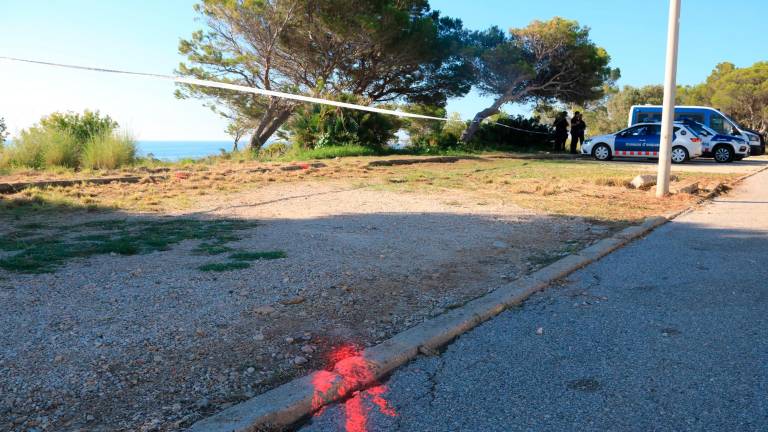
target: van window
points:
(690, 116)
(648, 117)
(721, 125)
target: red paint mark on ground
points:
(354, 371)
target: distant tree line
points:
(378, 52)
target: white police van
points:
(643, 141)
(707, 116)
(723, 148)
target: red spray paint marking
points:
(354, 371)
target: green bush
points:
(513, 133)
(317, 126)
(71, 141)
(40, 147)
(109, 152)
(83, 127)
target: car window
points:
(636, 131)
(654, 130)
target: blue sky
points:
(143, 35)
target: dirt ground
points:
(148, 341)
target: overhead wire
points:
(255, 90)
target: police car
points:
(707, 116)
(643, 141)
(723, 148)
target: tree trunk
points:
(269, 124)
(468, 133)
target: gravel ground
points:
(147, 342)
(667, 334)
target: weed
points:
(254, 256)
(215, 248)
(221, 267)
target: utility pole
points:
(670, 92)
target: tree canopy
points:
(742, 93)
(609, 114)
(381, 50)
(546, 61)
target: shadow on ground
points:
(130, 321)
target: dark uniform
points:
(578, 126)
(561, 132)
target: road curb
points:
(297, 399)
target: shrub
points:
(40, 147)
(317, 126)
(71, 141)
(109, 152)
(513, 133)
(83, 127)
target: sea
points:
(177, 150)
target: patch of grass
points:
(215, 248)
(296, 153)
(46, 253)
(254, 256)
(15, 240)
(222, 267)
(32, 226)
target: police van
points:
(707, 116)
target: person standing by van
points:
(561, 130)
(578, 126)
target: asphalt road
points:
(667, 334)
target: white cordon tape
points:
(240, 88)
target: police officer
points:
(578, 126)
(561, 130)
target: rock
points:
(59, 358)
(299, 360)
(202, 403)
(539, 331)
(264, 310)
(258, 337)
(289, 339)
(199, 333)
(500, 245)
(251, 370)
(308, 349)
(293, 300)
(690, 188)
(645, 181)
(90, 418)
(715, 186)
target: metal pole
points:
(670, 92)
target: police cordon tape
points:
(246, 89)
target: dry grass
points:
(574, 188)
